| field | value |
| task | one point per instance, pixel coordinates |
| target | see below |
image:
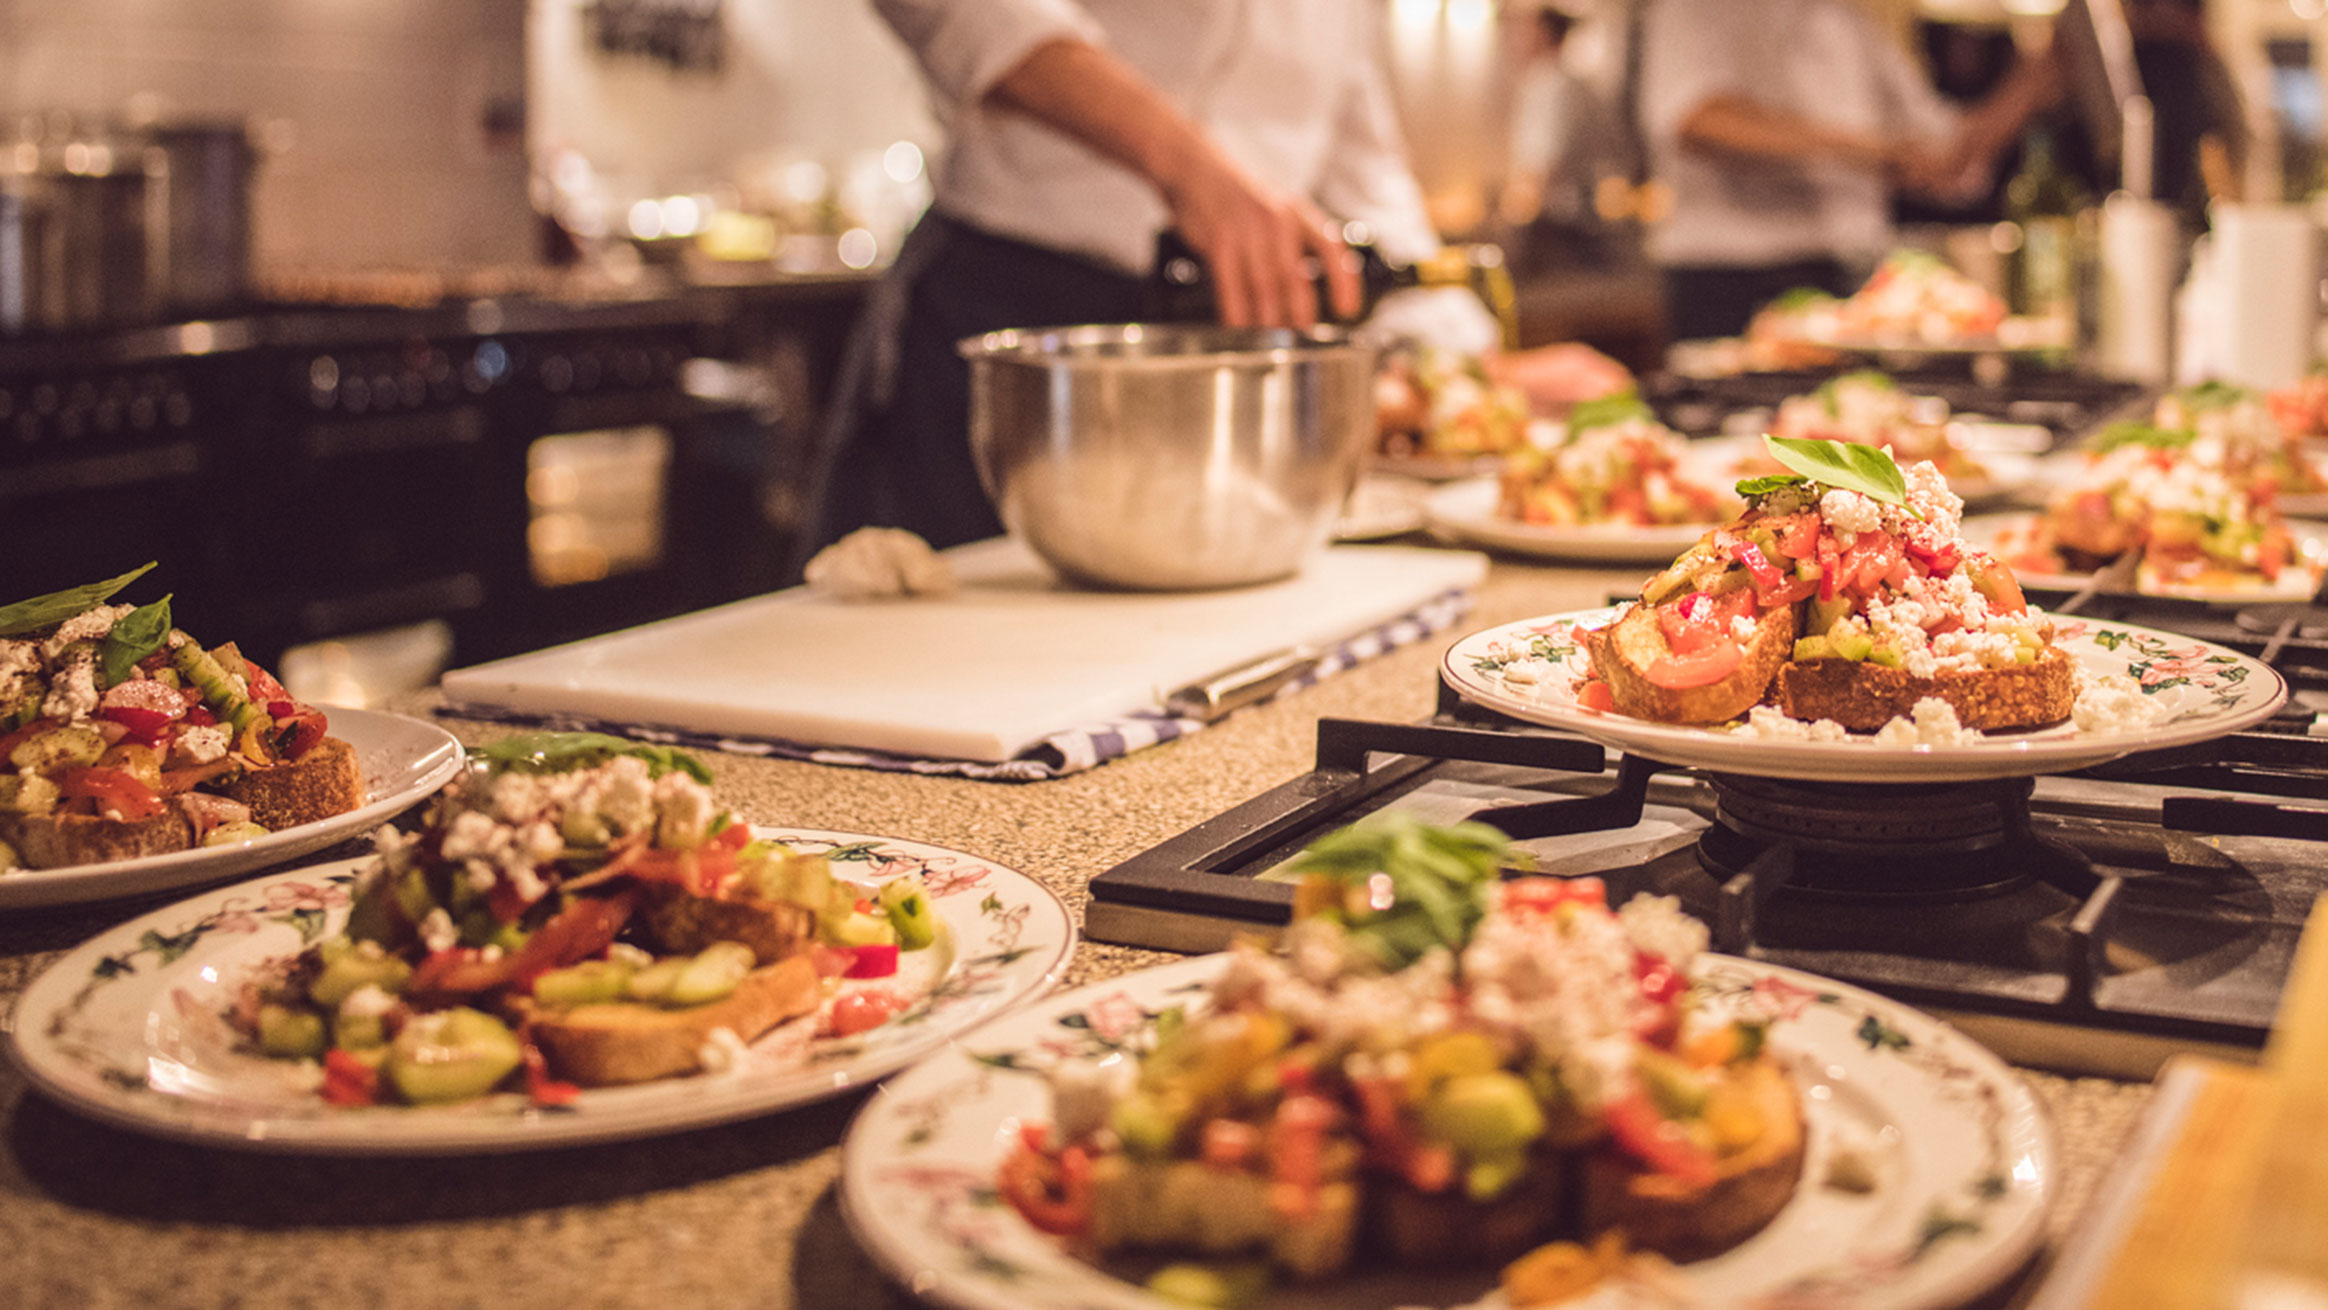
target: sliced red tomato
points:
(1700, 668)
(874, 960)
(1657, 1142)
(348, 1080)
(1830, 568)
(297, 733)
(856, 1012)
(115, 792)
(1756, 564)
(540, 1088)
(263, 686)
(1544, 895)
(578, 932)
(1593, 694)
(1054, 1196)
(1797, 534)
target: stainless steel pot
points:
(1170, 458)
(198, 216)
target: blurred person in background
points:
(1781, 128)
(1566, 133)
(2200, 144)
(1076, 134)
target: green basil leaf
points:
(135, 635)
(1609, 411)
(2132, 433)
(41, 611)
(1755, 488)
(1867, 470)
(2211, 395)
(560, 752)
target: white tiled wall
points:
(807, 79)
(372, 111)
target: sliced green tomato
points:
(910, 913)
(583, 984)
(1212, 1287)
(351, 970)
(1852, 645)
(452, 1055)
(712, 974)
(291, 1033)
(857, 928)
(1812, 648)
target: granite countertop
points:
(744, 1214)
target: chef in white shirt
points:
(1780, 127)
(1076, 132)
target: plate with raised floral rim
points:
(1529, 669)
(130, 1026)
(404, 761)
(2003, 534)
(1965, 1161)
(1466, 512)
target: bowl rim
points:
(1063, 346)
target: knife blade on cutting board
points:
(2221, 1200)
(1009, 658)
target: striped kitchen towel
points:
(1071, 750)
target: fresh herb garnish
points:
(2211, 395)
(1608, 411)
(1868, 470)
(560, 752)
(135, 635)
(41, 611)
(2135, 433)
(1434, 888)
(1770, 483)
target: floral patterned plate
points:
(1963, 1155)
(129, 1026)
(404, 761)
(1529, 670)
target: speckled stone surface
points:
(743, 1215)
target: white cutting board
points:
(1011, 657)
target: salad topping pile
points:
(1612, 462)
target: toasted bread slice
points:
(1865, 696)
(1187, 1205)
(683, 924)
(61, 840)
(1443, 1228)
(323, 782)
(1661, 1213)
(603, 1045)
(1622, 653)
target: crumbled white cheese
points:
(199, 744)
(1933, 723)
(722, 1051)
(625, 953)
(1772, 724)
(1656, 926)
(1849, 511)
(370, 1001)
(1084, 1093)
(1742, 627)
(2111, 702)
(437, 931)
(89, 625)
(73, 692)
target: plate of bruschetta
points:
(1843, 629)
(579, 944)
(1448, 1086)
(135, 758)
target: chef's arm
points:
(1738, 125)
(1254, 238)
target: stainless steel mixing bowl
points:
(1170, 458)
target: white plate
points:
(1966, 1158)
(1465, 512)
(2213, 691)
(403, 761)
(1382, 505)
(1434, 468)
(2294, 583)
(128, 1026)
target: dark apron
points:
(895, 451)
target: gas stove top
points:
(2095, 921)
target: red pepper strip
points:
(540, 1088)
(348, 1080)
(145, 726)
(1658, 1142)
(1765, 575)
(578, 932)
(115, 792)
(1297, 1139)
(874, 960)
(1830, 567)
(1027, 1184)
(1659, 981)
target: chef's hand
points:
(1264, 248)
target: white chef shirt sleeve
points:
(1692, 53)
(1912, 108)
(966, 46)
(1366, 175)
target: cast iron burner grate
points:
(1895, 843)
